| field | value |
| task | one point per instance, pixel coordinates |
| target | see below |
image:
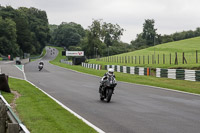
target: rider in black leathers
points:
(104, 78)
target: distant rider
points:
(106, 75)
(41, 63)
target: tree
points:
(139, 42)
(197, 31)
(23, 34)
(101, 35)
(8, 37)
(32, 31)
(68, 34)
(111, 33)
(38, 26)
(166, 38)
(149, 32)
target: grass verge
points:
(35, 57)
(41, 114)
(181, 85)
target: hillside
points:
(164, 55)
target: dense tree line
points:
(26, 30)
(149, 37)
(23, 30)
(100, 38)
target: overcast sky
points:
(170, 15)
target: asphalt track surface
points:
(133, 108)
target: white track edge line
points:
(22, 71)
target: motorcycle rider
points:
(104, 78)
(41, 63)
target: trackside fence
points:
(93, 66)
(182, 74)
(175, 58)
(9, 122)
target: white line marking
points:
(16, 77)
(22, 70)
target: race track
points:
(133, 108)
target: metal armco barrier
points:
(182, 74)
(9, 122)
(130, 70)
(66, 62)
(93, 66)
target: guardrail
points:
(182, 74)
(9, 122)
(130, 70)
(66, 62)
(93, 66)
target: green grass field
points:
(145, 57)
(41, 114)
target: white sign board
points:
(74, 53)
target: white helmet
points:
(110, 71)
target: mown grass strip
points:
(41, 114)
(181, 85)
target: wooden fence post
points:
(143, 59)
(135, 59)
(176, 59)
(139, 59)
(196, 56)
(170, 60)
(163, 58)
(132, 59)
(184, 59)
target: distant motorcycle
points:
(107, 88)
(40, 67)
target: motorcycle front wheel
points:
(109, 93)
